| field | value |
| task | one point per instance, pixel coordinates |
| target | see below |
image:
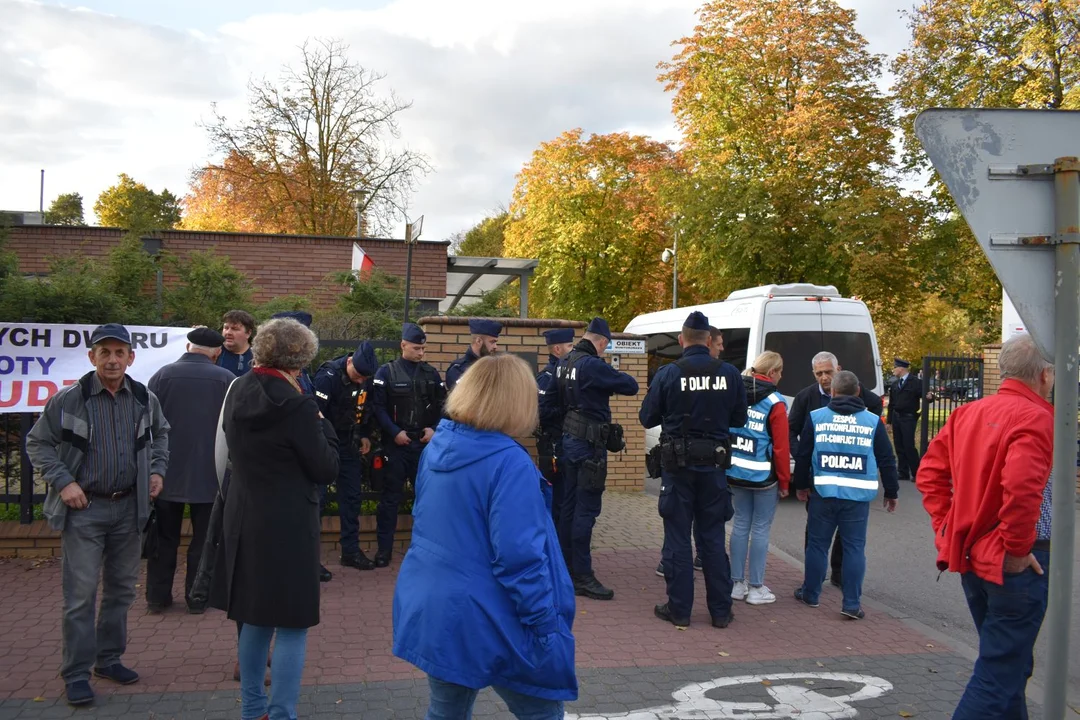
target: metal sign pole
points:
(1067, 342)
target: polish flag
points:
(361, 263)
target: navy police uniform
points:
(586, 384)
(905, 404)
(549, 433)
(695, 400)
(408, 397)
(345, 403)
(457, 368)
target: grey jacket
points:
(57, 444)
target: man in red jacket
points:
(984, 481)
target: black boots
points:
(359, 561)
(590, 587)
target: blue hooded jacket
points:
(483, 597)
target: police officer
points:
(586, 384)
(408, 401)
(695, 400)
(485, 341)
(560, 342)
(343, 389)
(905, 404)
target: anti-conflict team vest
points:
(751, 446)
(844, 463)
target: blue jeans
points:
(754, 513)
(99, 542)
(1008, 618)
(285, 673)
(827, 515)
(455, 702)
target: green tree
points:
(73, 292)
(486, 238)
(497, 303)
(133, 206)
(130, 273)
(207, 286)
(66, 209)
(370, 307)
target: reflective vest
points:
(844, 464)
(751, 446)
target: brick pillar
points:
(448, 337)
(991, 376)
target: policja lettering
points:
(843, 463)
(703, 382)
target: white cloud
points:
(88, 95)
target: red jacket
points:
(982, 480)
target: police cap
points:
(205, 337)
(697, 321)
(485, 327)
(411, 332)
(363, 360)
(304, 318)
(897, 362)
(559, 336)
(599, 326)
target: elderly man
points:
(984, 482)
(485, 341)
(811, 398)
(843, 448)
(102, 445)
(191, 391)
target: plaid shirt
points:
(1042, 528)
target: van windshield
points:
(854, 350)
(663, 348)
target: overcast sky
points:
(93, 89)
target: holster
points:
(681, 453)
(652, 462)
(593, 474)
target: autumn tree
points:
(66, 209)
(591, 210)
(980, 54)
(485, 239)
(788, 141)
(133, 206)
(322, 130)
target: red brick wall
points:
(276, 264)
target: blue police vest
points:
(751, 446)
(844, 464)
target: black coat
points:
(905, 400)
(268, 571)
(810, 399)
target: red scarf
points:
(273, 372)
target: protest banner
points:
(37, 360)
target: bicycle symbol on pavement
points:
(794, 695)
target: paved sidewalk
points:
(775, 661)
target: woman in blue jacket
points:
(483, 597)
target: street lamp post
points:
(412, 234)
(359, 195)
(671, 255)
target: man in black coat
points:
(191, 391)
(905, 404)
(818, 395)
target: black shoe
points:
(664, 613)
(590, 587)
(856, 614)
(118, 674)
(79, 693)
(324, 574)
(382, 558)
(660, 570)
(196, 609)
(697, 564)
(723, 622)
(359, 561)
(802, 598)
(837, 580)
(156, 608)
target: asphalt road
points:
(901, 573)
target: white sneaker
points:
(760, 596)
(738, 592)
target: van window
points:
(664, 348)
(854, 350)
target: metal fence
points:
(949, 381)
(23, 489)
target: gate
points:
(949, 381)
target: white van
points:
(797, 320)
